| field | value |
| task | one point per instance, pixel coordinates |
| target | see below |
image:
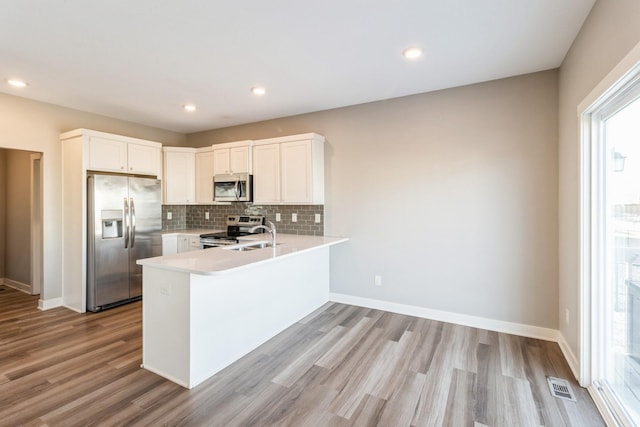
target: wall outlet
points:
(566, 315)
(206, 215)
(294, 217)
(169, 215)
(318, 219)
(377, 280)
(278, 217)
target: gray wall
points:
(609, 33)
(3, 204)
(18, 216)
(451, 196)
(36, 126)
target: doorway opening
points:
(21, 206)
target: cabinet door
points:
(221, 160)
(296, 172)
(143, 159)
(239, 159)
(266, 173)
(179, 188)
(183, 243)
(107, 155)
(169, 244)
(194, 243)
(204, 177)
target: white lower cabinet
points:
(175, 243)
(169, 244)
(183, 243)
(194, 243)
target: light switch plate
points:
(318, 218)
(169, 216)
(294, 217)
(206, 215)
(278, 217)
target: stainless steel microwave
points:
(236, 187)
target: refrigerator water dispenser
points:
(111, 224)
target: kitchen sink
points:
(248, 246)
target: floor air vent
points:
(560, 388)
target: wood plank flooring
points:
(340, 366)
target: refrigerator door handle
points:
(133, 223)
(126, 223)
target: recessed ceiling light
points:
(258, 90)
(190, 108)
(412, 53)
(17, 83)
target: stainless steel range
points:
(237, 226)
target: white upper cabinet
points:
(107, 154)
(296, 172)
(143, 159)
(289, 170)
(266, 174)
(221, 161)
(239, 159)
(204, 175)
(112, 153)
(179, 175)
(232, 157)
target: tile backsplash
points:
(193, 216)
(178, 219)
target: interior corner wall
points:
(609, 33)
(3, 204)
(449, 196)
(36, 126)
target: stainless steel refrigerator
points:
(124, 222)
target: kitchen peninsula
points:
(202, 310)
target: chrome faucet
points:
(271, 230)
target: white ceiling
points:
(141, 60)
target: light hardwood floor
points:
(340, 366)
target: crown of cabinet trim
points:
(245, 143)
(290, 138)
(88, 132)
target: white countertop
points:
(215, 261)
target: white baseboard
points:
(19, 286)
(46, 304)
(571, 358)
(446, 316)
